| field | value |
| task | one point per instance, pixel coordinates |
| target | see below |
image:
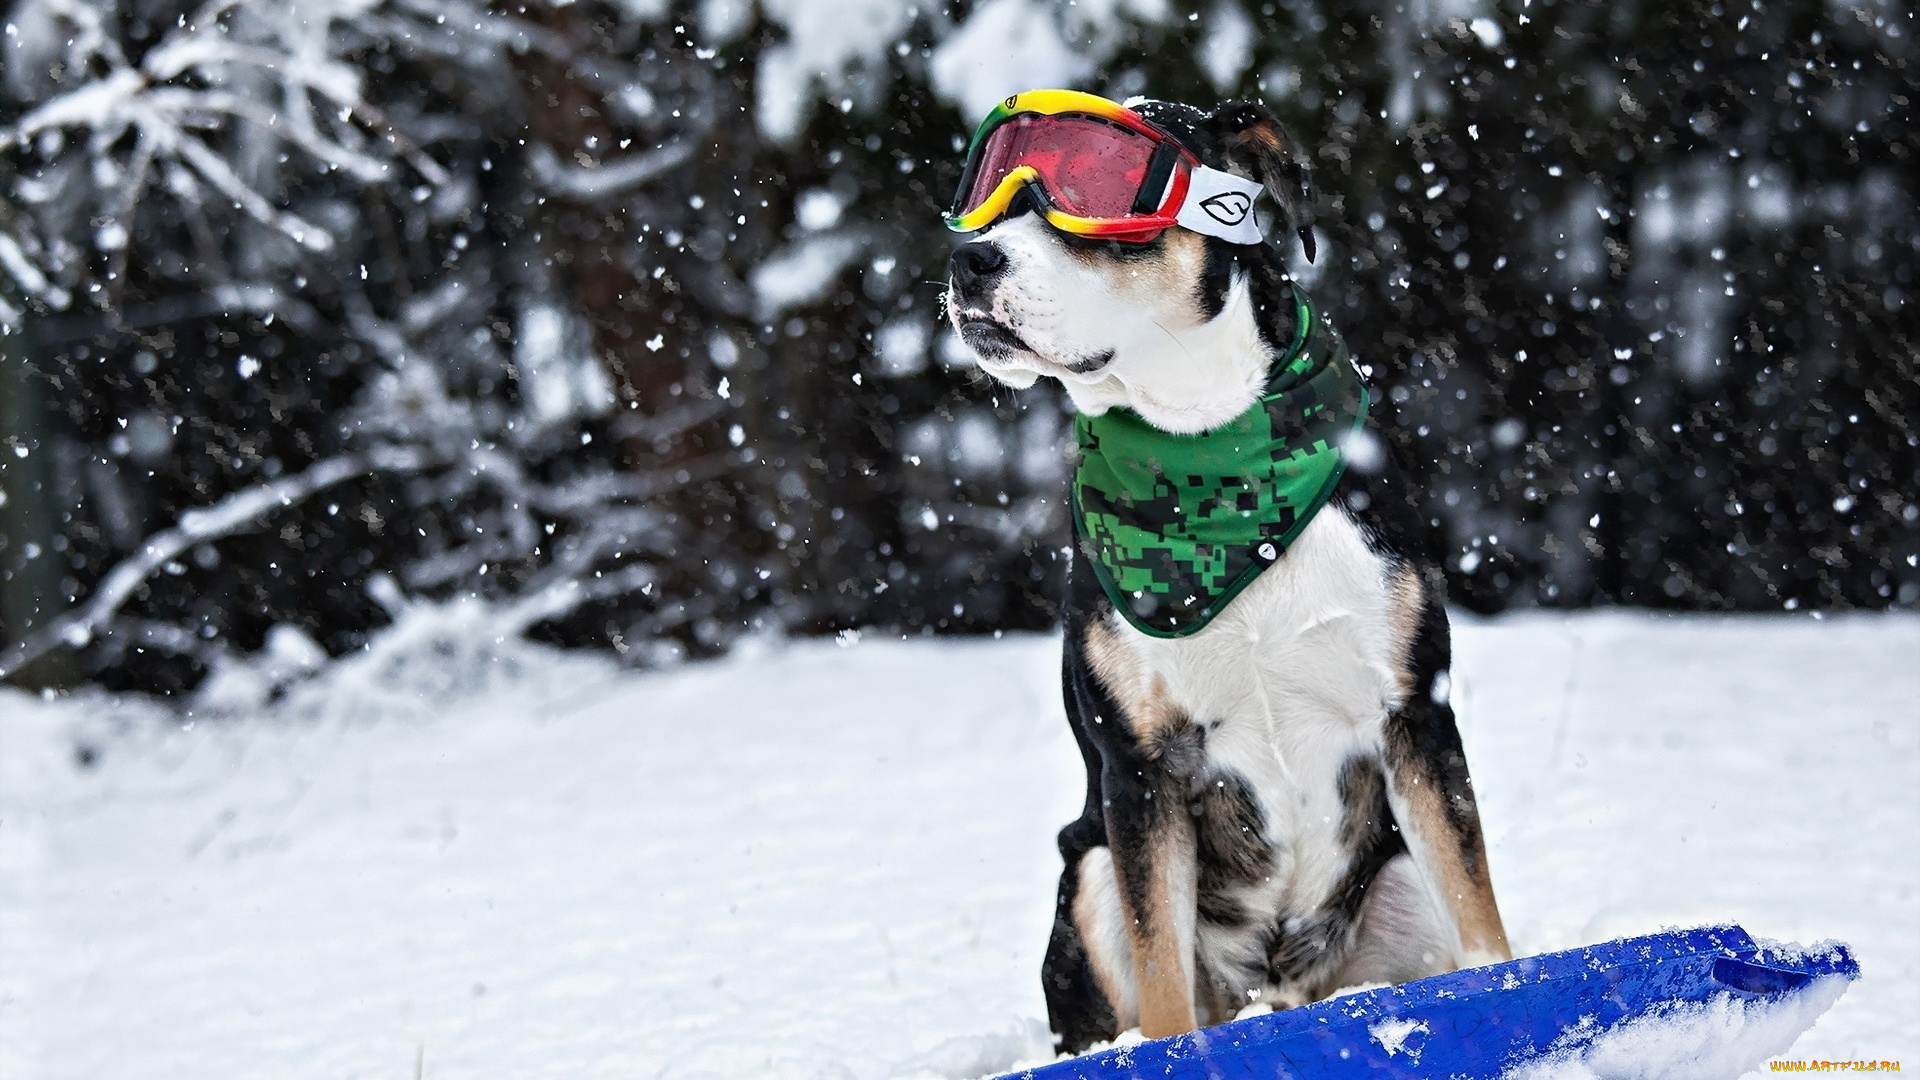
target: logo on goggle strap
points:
(1228, 207)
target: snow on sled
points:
(1694, 1004)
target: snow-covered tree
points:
(301, 272)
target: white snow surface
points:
(459, 854)
(1392, 1035)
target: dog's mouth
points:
(991, 339)
(1091, 364)
(996, 341)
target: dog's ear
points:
(1252, 140)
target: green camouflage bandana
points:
(1176, 525)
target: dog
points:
(1277, 804)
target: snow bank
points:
(498, 859)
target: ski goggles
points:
(1099, 170)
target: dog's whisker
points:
(1175, 338)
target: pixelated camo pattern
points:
(1176, 525)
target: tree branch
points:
(232, 514)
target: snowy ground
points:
(456, 859)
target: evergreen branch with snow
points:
(226, 75)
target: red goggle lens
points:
(1089, 167)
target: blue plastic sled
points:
(1479, 1023)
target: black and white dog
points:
(1278, 805)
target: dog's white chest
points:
(1304, 654)
(1295, 677)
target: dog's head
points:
(1180, 328)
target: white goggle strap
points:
(1221, 204)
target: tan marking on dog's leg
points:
(1443, 853)
(1406, 607)
(1101, 919)
(1141, 694)
(1162, 936)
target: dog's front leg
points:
(1150, 755)
(1432, 795)
(1433, 802)
(1151, 836)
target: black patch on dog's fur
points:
(1367, 830)
(1272, 293)
(1231, 846)
(1216, 280)
(1079, 1009)
(1244, 138)
(1252, 139)
(1300, 950)
(1076, 1006)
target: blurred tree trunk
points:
(30, 527)
(584, 240)
(644, 268)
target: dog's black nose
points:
(974, 264)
